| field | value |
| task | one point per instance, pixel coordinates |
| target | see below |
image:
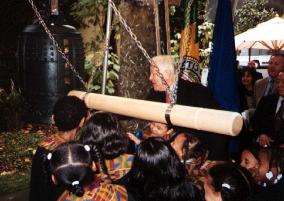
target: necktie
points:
(271, 87)
(279, 117)
(168, 98)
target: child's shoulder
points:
(51, 142)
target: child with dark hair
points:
(71, 166)
(271, 181)
(193, 154)
(69, 115)
(156, 129)
(265, 164)
(157, 174)
(250, 159)
(228, 182)
(104, 134)
(69, 112)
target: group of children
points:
(88, 159)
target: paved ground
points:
(18, 196)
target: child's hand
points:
(134, 138)
(170, 132)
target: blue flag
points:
(222, 77)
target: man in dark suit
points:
(187, 93)
(267, 85)
(268, 117)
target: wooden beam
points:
(217, 121)
(157, 27)
(167, 23)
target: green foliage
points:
(90, 9)
(18, 151)
(96, 73)
(205, 34)
(12, 100)
(14, 182)
(11, 105)
(175, 45)
(16, 154)
(93, 12)
(252, 13)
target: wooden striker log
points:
(217, 121)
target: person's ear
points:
(53, 179)
(166, 74)
(258, 165)
(82, 122)
(52, 119)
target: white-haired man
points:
(188, 93)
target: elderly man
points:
(186, 93)
(268, 117)
(267, 86)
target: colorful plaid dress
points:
(117, 167)
(98, 191)
(101, 191)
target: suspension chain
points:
(172, 93)
(59, 49)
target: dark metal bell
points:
(44, 74)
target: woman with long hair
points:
(104, 134)
(228, 182)
(157, 174)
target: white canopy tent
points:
(266, 35)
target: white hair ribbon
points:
(49, 156)
(225, 185)
(87, 147)
(75, 183)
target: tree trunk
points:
(134, 72)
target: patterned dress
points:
(98, 191)
(102, 191)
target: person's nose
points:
(150, 77)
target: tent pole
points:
(249, 52)
(108, 30)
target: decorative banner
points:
(189, 46)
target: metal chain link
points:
(57, 45)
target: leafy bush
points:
(16, 152)
(252, 13)
(14, 182)
(11, 106)
(96, 73)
